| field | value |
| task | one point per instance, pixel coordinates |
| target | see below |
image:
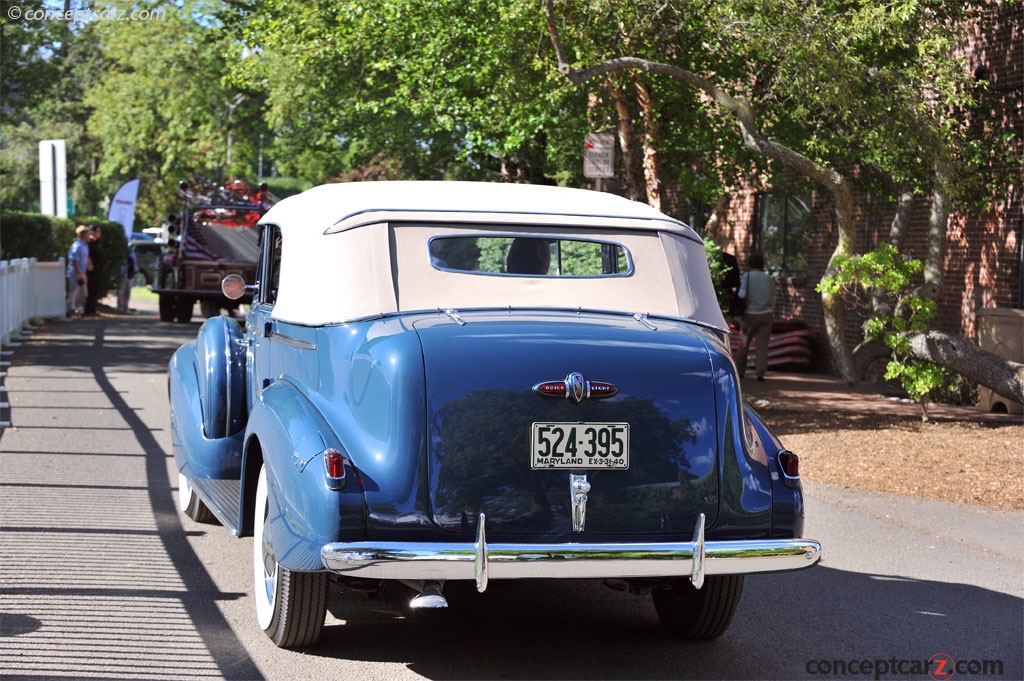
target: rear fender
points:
(290, 436)
(195, 455)
(787, 492)
(746, 485)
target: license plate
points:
(579, 445)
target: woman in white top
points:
(758, 291)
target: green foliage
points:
(24, 45)
(718, 269)
(492, 254)
(885, 273)
(47, 238)
(161, 105)
(882, 269)
(115, 251)
(31, 235)
(448, 88)
(467, 89)
(282, 187)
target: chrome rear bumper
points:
(482, 561)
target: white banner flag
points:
(122, 207)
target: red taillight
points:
(789, 463)
(334, 465)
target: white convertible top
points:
(355, 250)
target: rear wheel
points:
(167, 304)
(190, 503)
(209, 309)
(699, 614)
(290, 606)
(183, 309)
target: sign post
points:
(53, 183)
(599, 156)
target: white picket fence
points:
(28, 290)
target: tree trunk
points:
(626, 137)
(970, 361)
(834, 307)
(898, 227)
(716, 220)
(897, 233)
(935, 260)
(652, 173)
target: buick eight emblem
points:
(575, 387)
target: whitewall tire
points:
(290, 606)
(189, 502)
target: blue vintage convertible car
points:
(457, 381)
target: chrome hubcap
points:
(269, 563)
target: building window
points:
(783, 229)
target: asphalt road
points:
(101, 577)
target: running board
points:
(223, 498)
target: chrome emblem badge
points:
(577, 384)
(575, 387)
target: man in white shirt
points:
(758, 291)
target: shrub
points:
(885, 272)
(47, 238)
(28, 235)
(719, 269)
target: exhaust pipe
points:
(430, 595)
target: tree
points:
(917, 355)
(39, 88)
(162, 109)
(846, 83)
(27, 49)
(755, 141)
(457, 88)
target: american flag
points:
(193, 249)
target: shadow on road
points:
(788, 627)
(225, 648)
(78, 357)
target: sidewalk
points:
(97, 575)
(817, 392)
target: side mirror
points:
(234, 287)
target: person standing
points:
(128, 271)
(77, 272)
(731, 283)
(758, 291)
(94, 273)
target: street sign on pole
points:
(599, 155)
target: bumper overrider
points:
(482, 561)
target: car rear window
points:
(537, 256)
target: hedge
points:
(47, 238)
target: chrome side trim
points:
(292, 341)
(573, 310)
(482, 561)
